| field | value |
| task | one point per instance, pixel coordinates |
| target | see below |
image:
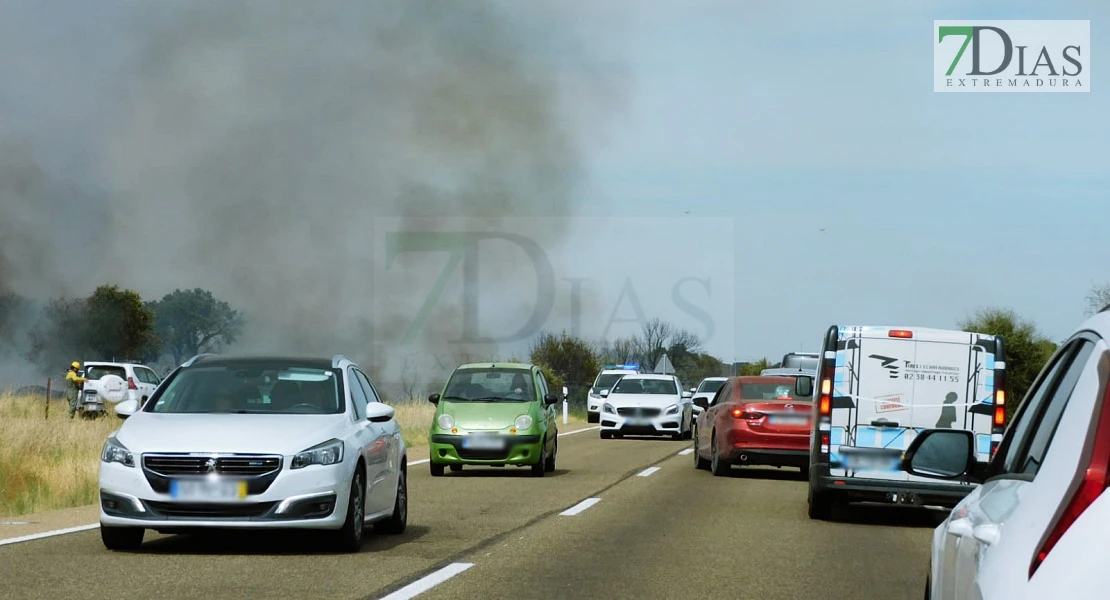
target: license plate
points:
(207, 489)
(639, 422)
(483, 443)
(788, 420)
(871, 462)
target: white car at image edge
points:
(254, 443)
(1036, 526)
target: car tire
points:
(593, 417)
(398, 521)
(717, 464)
(700, 463)
(121, 538)
(820, 505)
(349, 537)
(456, 468)
(689, 433)
(539, 467)
(436, 469)
(549, 465)
(605, 435)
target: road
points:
(657, 529)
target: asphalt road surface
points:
(628, 518)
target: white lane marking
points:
(686, 451)
(46, 534)
(648, 471)
(424, 584)
(419, 462)
(579, 430)
(581, 506)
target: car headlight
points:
(594, 394)
(328, 453)
(116, 452)
(523, 422)
(445, 421)
(608, 408)
(672, 409)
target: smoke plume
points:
(253, 149)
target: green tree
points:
(119, 325)
(191, 322)
(752, 369)
(58, 335)
(566, 360)
(1027, 350)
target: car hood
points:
(278, 434)
(652, 400)
(485, 415)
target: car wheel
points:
(456, 468)
(718, 465)
(699, 463)
(121, 538)
(549, 466)
(538, 469)
(689, 434)
(820, 505)
(398, 521)
(593, 417)
(605, 435)
(349, 537)
(437, 470)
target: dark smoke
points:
(249, 147)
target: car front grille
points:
(465, 453)
(639, 411)
(172, 465)
(183, 510)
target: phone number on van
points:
(927, 377)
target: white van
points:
(878, 387)
(608, 376)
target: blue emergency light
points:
(628, 367)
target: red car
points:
(756, 421)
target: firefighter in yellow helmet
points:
(74, 384)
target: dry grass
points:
(47, 463)
(51, 463)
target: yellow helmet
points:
(75, 365)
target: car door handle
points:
(988, 533)
(960, 527)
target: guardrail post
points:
(565, 416)
(46, 415)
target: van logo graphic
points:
(890, 364)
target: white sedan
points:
(647, 405)
(254, 443)
(1036, 525)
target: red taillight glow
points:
(750, 415)
(1000, 415)
(1094, 482)
(901, 333)
(826, 406)
(825, 440)
(784, 398)
(131, 384)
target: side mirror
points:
(550, 399)
(377, 412)
(126, 408)
(434, 398)
(702, 402)
(940, 454)
(687, 394)
(693, 389)
(564, 392)
(803, 386)
(604, 393)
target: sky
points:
(786, 164)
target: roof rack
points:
(197, 358)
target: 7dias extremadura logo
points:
(1011, 56)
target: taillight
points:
(131, 384)
(900, 333)
(998, 422)
(1094, 483)
(825, 403)
(749, 415)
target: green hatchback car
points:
(494, 414)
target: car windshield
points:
(636, 385)
(769, 391)
(710, 386)
(805, 363)
(251, 388)
(490, 385)
(606, 380)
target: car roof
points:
(715, 379)
(649, 376)
(217, 360)
(497, 365)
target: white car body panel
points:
(611, 422)
(593, 396)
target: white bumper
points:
(138, 503)
(664, 424)
(593, 404)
